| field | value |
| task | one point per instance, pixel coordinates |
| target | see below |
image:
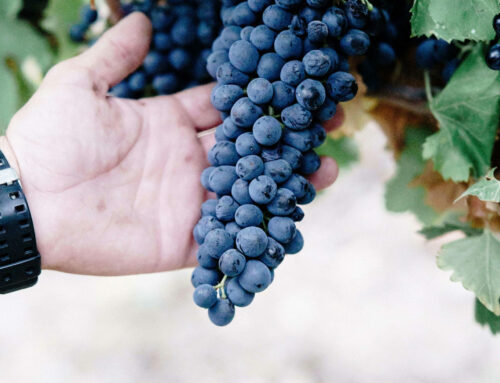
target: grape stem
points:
(428, 87)
(220, 287)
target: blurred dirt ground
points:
(364, 302)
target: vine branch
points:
(115, 10)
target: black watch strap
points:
(20, 263)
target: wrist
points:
(10, 155)
(20, 262)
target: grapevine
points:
(282, 67)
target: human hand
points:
(113, 184)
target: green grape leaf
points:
(400, 195)
(10, 8)
(468, 111)
(448, 225)
(343, 150)
(475, 261)
(60, 15)
(486, 189)
(19, 42)
(486, 318)
(455, 19)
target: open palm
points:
(113, 184)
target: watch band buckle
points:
(8, 176)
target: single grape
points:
(243, 15)
(293, 73)
(262, 189)
(283, 95)
(216, 59)
(281, 229)
(232, 263)
(493, 57)
(204, 258)
(341, 86)
(244, 112)
(251, 241)
(256, 276)
(267, 130)
(240, 193)
(231, 130)
(297, 185)
(262, 37)
(205, 296)
(296, 117)
(301, 140)
(259, 5)
(166, 83)
(77, 32)
(260, 91)
(248, 215)
(310, 94)
(225, 209)
(355, 42)
(246, 144)
(310, 14)
(310, 163)
(223, 153)
(222, 313)
(201, 276)
(204, 226)
(336, 21)
(88, 15)
(217, 242)
(273, 255)
(297, 215)
(276, 17)
(237, 294)
(208, 207)
(316, 63)
(221, 179)
(318, 135)
(357, 13)
(249, 167)
(244, 56)
(327, 110)
(292, 155)
(317, 32)
(228, 74)
(279, 170)
(246, 32)
(229, 35)
(269, 66)
(296, 244)
(283, 203)
(309, 196)
(287, 45)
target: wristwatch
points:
(20, 263)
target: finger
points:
(208, 140)
(119, 52)
(337, 120)
(196, 102)
(326, 175)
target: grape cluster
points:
(281, 68)
(493, 54)
(183, 31)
